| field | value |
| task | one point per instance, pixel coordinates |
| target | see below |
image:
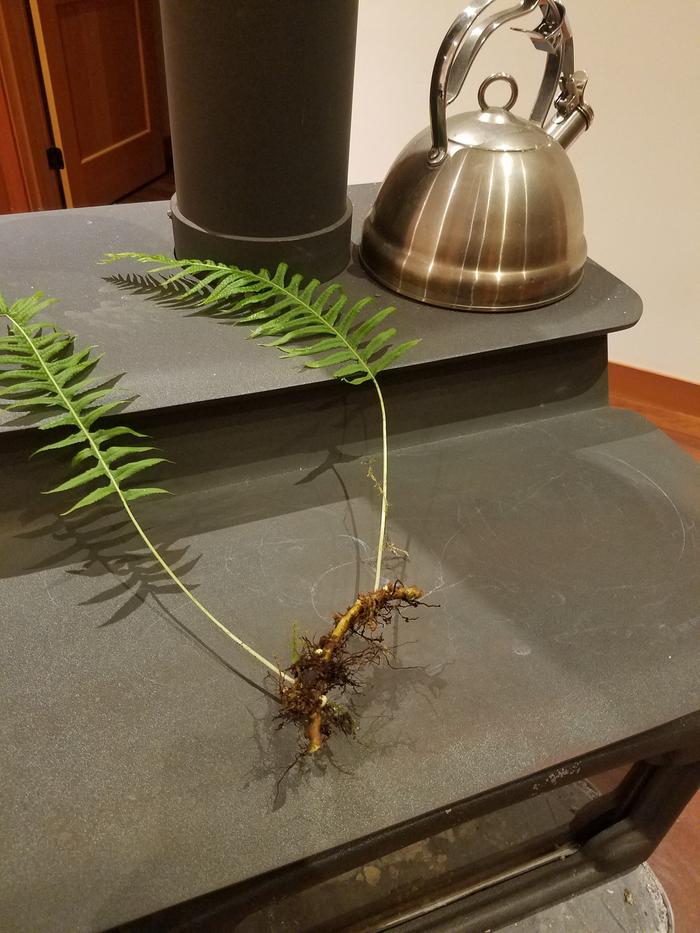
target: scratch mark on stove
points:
(441, 572)
(315, 586)
(362, 544)
(659, 489)
(47, 588)
(533, 492)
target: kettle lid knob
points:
(493, 79)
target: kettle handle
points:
(464, 41)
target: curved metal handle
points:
(443, 89)
(553, 36)
(477, 36)
(463, 43)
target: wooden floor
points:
(160, 189)
(675, 408)
(673, 405)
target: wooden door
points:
(98, 59)
(26, 181)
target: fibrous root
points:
(333, 661)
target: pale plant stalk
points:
(385, 443)
(383, 490)
(142, 534)
(190, 595)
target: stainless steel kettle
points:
(483, 211)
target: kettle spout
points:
(574, 116)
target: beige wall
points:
(639, 166)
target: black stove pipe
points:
(260, 98)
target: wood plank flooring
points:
(160, 189)
(672, 404)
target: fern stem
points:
(190, 595)
(385, 445)
(385, 482)
(65, 401)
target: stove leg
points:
(622, 830)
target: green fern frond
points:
(300, 319)
(41, 371)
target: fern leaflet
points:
(335, 334)
(43, 372)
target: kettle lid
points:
(496, 128)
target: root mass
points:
(333, 662)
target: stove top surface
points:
(141, 757)
(171, 357)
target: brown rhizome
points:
(332, 663)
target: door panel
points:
(13, 196)
(98, 59)
(27, 183)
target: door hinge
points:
(55, 157)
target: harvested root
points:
(331, 664)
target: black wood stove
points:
(141, 768)
(558, 537)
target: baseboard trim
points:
(640, 387)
